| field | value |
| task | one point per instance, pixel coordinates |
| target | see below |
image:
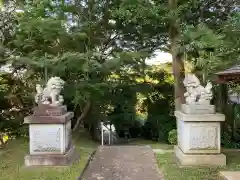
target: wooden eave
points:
(231, 74)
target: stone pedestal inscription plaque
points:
(203, 137)
(45, 138)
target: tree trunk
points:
(178, 71)
(83, 115)
(2, 143)
(178, 63)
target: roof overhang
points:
(231, 74)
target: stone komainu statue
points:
(196, 93)
(51, 93)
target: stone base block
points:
(199, 159)
(48, 110)
(230, 175)
(199, 117)
(198, 109)
(52, 159)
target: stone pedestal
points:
(50, 137)
(198, 128)
(198, 109)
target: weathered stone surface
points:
(52, 159)
(46, 139)
(196, 93)
(198, 109)
(204, 136)
(200, 137)
(50, 138)
(199, 117)
(49, 110)
(51, 93)
(49, 119)
(199, 159)
(67, 140)
(230, 175)
(123, 163)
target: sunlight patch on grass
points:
(12, 162)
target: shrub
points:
(157, 127)
(172, 137)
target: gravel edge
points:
(88, 162)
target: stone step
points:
(230, 175)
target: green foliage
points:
(172, 137)
(211, 50)
(228, 142)
(7, 21)
(231, 134)
(160, 106)
(13, 108)
(99, 49)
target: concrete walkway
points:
(123, 163)
(230, 175)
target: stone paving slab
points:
(123, 163)
(230, 175)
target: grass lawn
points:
(171, 171)
(12, 162)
